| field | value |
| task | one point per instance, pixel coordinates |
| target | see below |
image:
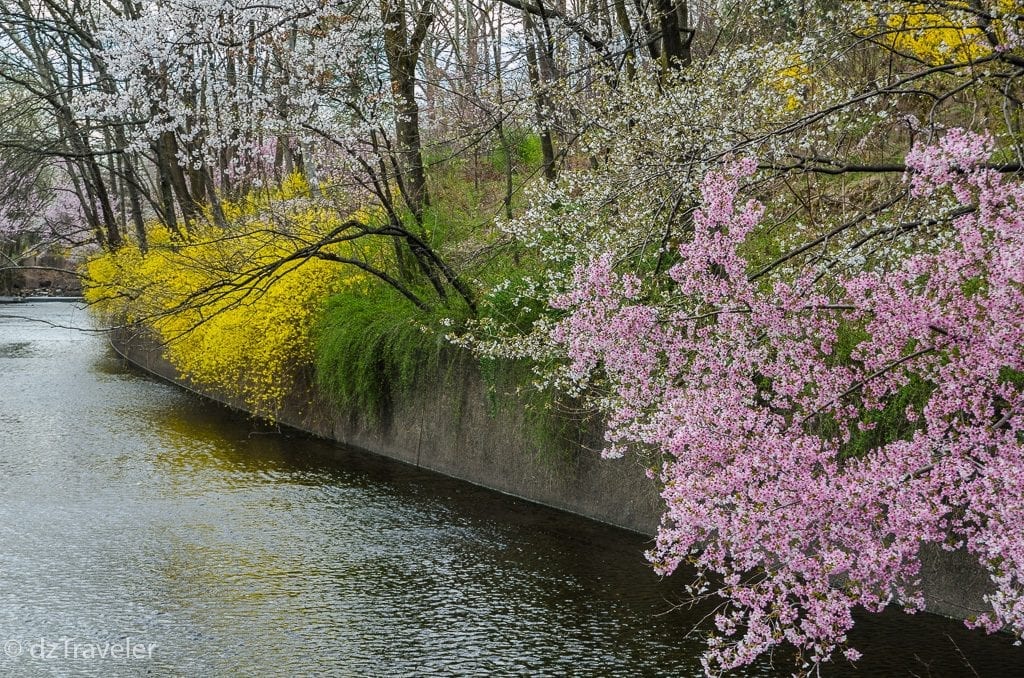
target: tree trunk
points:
(540, 102)
(169, 158)
(403, 48)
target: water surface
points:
(132, 510)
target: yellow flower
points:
(939, 34)
(230, 314)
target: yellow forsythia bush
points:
(226, 320)
(941, 33)
(794, 80)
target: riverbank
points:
(446, 425)
(34, 299)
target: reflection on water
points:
(131, 509)
(15, 349)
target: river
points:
(148, 532)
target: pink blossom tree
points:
(752, 389)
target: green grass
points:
(372, 344)
(524, 147)
(890, 423)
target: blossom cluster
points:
(234, 309)
(752, 390)
(232, 82)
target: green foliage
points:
(890, 423)
(530, 151)
(553, 427)
(848, 336)
(524, 147)
(973, 286)
(763, 246)
(513, 306)
(1011, 376)
(878, 427)
(371, 344)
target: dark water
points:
(129, 509)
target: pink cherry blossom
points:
(737, 385)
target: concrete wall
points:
(446, 426)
